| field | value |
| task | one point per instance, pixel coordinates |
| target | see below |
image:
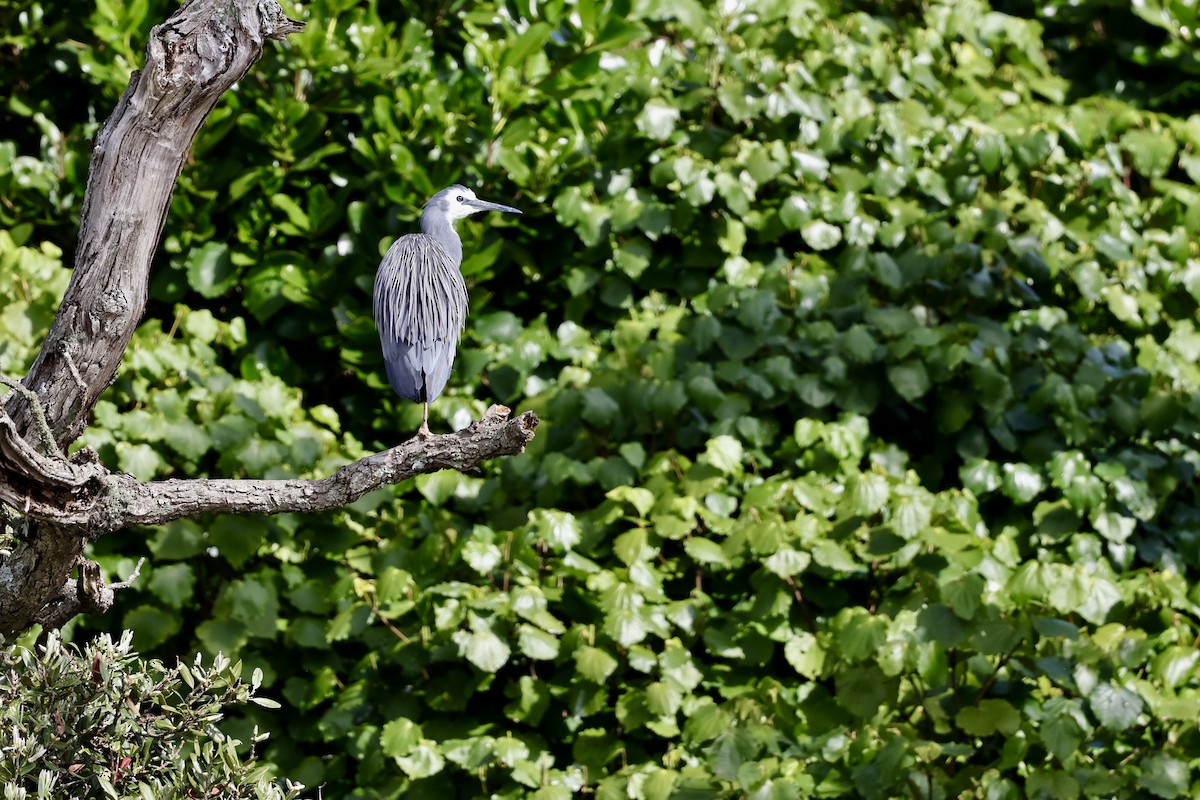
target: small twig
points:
(133, 576)
(387, 623)
(804, 609)
(77, 404)
(49, 446)
(987, 684)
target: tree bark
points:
(191, 60)
(54, 505)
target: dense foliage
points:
(102, 722)
(865, 340)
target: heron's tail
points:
(419, 372)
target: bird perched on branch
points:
(421, 298)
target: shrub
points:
(101, 721)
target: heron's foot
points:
(423, 432)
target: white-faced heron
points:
(421, 298)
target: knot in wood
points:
(112, 304)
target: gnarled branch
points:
(496, 434)
(84, 495)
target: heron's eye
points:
(459, 198)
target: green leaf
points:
(483, 557)
(641, 499)
(151, 625)
(795, 212)
(940, 624)
(210, 270)
(964, 595)
(481, 646)
(178, 540)
(594, 664)
(253, 602)
(805, 655)
(1051, 784)
(531, 701)
(438, 487)
(730, 751)
(422, 762)
(1113, 526)
(595, 747)
(237, 538)
(537, 644)
(862, 690)
(555, 792)
(786, 562)
(706, 722)
(868, 493)
(400, 737)
(187, 438)
(1152, 151)
(1116, 707)
(860, 634)
(663, 698)
(909, 379)
(980, 476)
(724, 453)
(294, 212)
(1021, 482)
(139, 460)
(659, 784)
(1175, 665)
(1165, 776)
(559, 528)
(657, 119)
(518, 50)
(173, 584)
(222, 636)
(1063, 728)
(911, 515)
(705, 551)
(599, 408)
(988, 717)
(820, 235)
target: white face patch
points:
(458, 208)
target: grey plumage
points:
(421, 299)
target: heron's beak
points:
(484, 205)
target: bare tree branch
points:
(85, 495)
(496, 434)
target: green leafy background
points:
(865, 342)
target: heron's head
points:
(458, 202)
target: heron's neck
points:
(442, 230)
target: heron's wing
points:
(420, 309)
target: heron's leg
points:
(425, 422)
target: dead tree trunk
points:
(55, 505)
